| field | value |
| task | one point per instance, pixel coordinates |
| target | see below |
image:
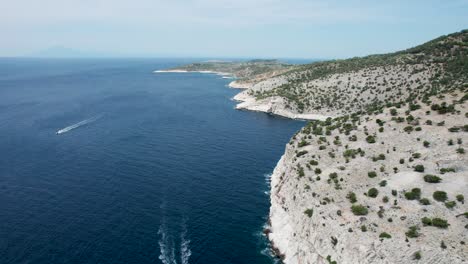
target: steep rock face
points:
(311, 216)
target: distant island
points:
(380, 173)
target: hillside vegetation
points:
(340, 86)
(241, 69)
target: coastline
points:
(224, 74)
(278, 230)
(271, 106)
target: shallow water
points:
(168, 173)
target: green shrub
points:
(359, 209)
(383, 183)
(317, 171)
(373, 192)
(370, 139)
(439, 222)
(309, 212)
(426, 221)
(372, 174)
(460, 197)
(432, 178)
(419, 168)
(301, 153)
(450, 204)
(417, 255)
(424, 201)
(460, 150)
(385, 199)
(408, 129)
(414, 194)
(446, 170)
(379, 157)
(426, 143)
(440, 196)
(385, 235)
(351, 197)
(313, 162)
(364, 228)
(412, 232)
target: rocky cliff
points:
(382, 188)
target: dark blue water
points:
(163, 171)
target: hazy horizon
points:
(295, 29)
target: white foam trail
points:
(81, 123)
(185, 251)
(167, 254)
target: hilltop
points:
(338, 87)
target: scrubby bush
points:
(385, 235)
(460, 198)
(301, 153)
(373, 192)
(417, 255)
(372, 174)
(303, 143)
(426, 221)
(432, 178)
(424, 201)
(370, 139)
(408, 129)
(450, 204)
(414, 194)
(439, 222)
(440, 196)
(359, 209)
(309, 212)
(419, 168)
(446, 170)
(412, 232)
(351, 197)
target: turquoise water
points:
(148, 168)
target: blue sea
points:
(147, 168)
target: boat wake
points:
(77, 125)
(185, 251)
(167, 246)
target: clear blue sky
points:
(219, 28)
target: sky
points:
(224, 29)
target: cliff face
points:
(329, 167)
